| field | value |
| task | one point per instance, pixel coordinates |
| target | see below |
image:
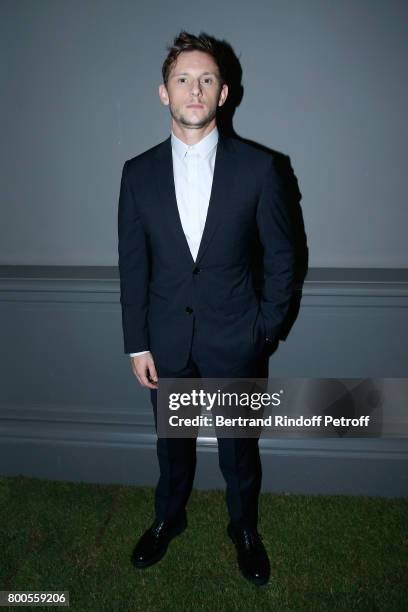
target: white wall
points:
(325, 83)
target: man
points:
(190, 212)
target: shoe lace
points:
(157, 527)
(252, 539)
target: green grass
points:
(327, 552)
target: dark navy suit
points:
(204, 318)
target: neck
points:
(191, 136)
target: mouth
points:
(195, 106)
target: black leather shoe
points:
(152, 546)
(252, 557)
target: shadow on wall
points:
(233, 73)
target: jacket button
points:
(196, 270)
(189, 310)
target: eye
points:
(182, 80)
(207, 81)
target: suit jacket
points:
(164, 292)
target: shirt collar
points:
(203, 147)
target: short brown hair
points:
(188, 42)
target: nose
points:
(196, 87)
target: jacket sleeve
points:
(133, 269)
(276, 235)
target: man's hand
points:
(145, 371)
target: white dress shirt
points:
(193, 170)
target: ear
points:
(163, 95)
(223, 94)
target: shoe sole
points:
(174, 533)
(256, 581)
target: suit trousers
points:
(238, 458)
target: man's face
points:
(193, 90)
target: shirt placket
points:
(193, 160)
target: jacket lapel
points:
(222, 187)
(168, 203)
